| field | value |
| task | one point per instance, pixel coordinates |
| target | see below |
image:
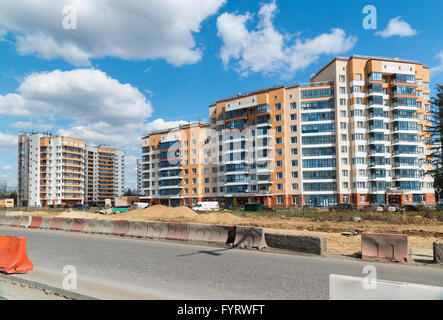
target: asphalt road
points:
(115, 268)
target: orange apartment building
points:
(356, 133)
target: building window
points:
(341, 78)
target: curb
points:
(33, 285)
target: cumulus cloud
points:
(397, 27)
(8, 142)
(160, 124)
(439, 67)
(269, 51)
(131, 29)
(29, 125)
(84, 95)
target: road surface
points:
(119, 268)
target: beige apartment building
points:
(356, 133)
(52, 171)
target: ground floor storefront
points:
(309, 200)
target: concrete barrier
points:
(137, 229)
(249, 237)
(297, 243)
(177, 231)
(25, 222)
(385, 246)
(105, 226)
(355, 288)
(57, 223)
(120, 228)
(157, 230)
(11, 213)
(4, 221)
(209, 233)
(46, 222)
(35, 222)
(77, 225)
(15, 221)
(438, 252)
(91, 226)
(67, 224)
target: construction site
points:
(343, 233)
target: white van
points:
(140, 205)
(207, 206)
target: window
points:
(344, 137)
(345, 186)
(358, 76)
(343, 125)
(345, 173)
(278, 106)
(279, 175)
(343, 114)
(278, 129)
(293, 139)
(293, 105)
(341, 78)
(342, 90)
(344, 161)
(278, 117)
(293, 116)
(293, 128)
(344, 149)
(342, 102)
(279, 199)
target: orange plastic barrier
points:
(13, 257)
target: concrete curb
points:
(47, 289)
(297, 243)
(249, 237)
(438, 252)
(137, 229)
(209, 233)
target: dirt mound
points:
(418, 220)
(160, 211)
(222, 218)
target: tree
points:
(436, 131)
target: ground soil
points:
(422, 232)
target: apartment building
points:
(52, 171)
(104, 174)
(357, 133)
(176, 166)
(139, 176)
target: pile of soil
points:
(416, 220)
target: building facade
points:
(104, 174)
(53, 170)
(356, 133)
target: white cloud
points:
(8, 142)
(84, 95)
(269, 51)
(8, 167)
(439, 67)
(160, 124)
(397, 27)
(32, 125)
(131, 29)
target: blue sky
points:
(127, 69)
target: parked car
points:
(268, 209)
(411, 207)
(369, 208)
(342, 207)
(83, 207)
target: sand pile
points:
(221, 218)
(162, 212)
(418, 220)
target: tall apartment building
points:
(53, 170)
(175, 167)
(139, 176)
(356, 133)
(104, 174)
(50, 170)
